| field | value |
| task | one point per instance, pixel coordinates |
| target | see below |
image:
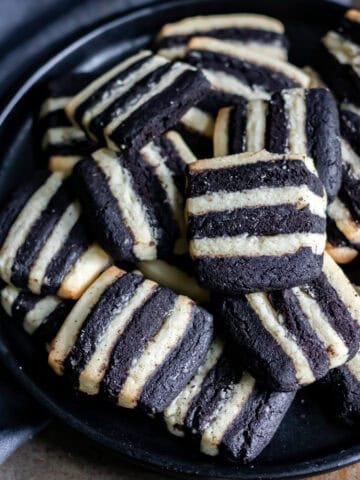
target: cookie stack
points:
(180, 255)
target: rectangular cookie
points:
(137, 100)
(339, 59)
(226, 410)
(43, 244)
(134, 341)
(294, 120)
(255, 221)
(62, 144)
(257, 32)
(40, 316)
(241, 71)
(134, 202)
(293, 337)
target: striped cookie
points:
(43, 245)
(257, 32)
(241, 71)
(137, 100)
(137, 343)
(255, 221)
(296, 120)
(40, 316)
(61, 143)
(134, 203)
(218, 407)
(291, 338)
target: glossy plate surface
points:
(309, 440)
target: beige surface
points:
(61, 454)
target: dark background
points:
(31, 31)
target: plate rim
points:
(316, 465)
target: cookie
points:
(225, 409)
(241, 71)
(293, 121)
(137, 100)
(137, 343)
(257, 32)
(40, 316)
(174, 277)
(339, 59)
(134, 202)
(255, 221)
(291, 338)
(43, 244)
(62, 144)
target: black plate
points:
(309, 440)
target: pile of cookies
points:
(191, 250)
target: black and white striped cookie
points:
(339, 60)
(241, 71)
(255, 221)
(62, 143)
(258, 32)
(292, 338)
(134, 203)
(43, 244)
(226, 410)
(137, 100)
(343, 241)
(40, 316)
(293, 121)
(137, 343)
